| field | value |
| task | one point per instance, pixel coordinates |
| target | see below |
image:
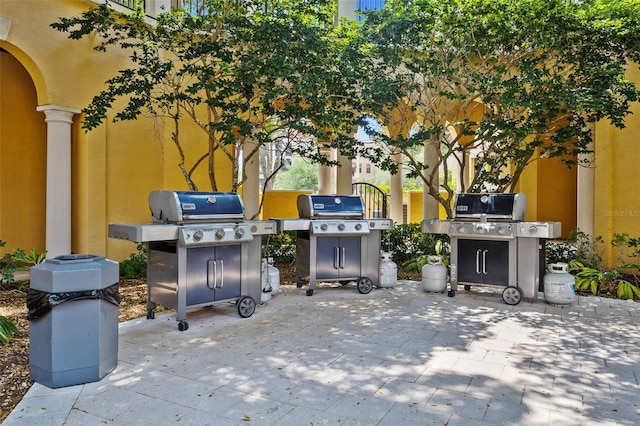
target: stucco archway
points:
(23, 150)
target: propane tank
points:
(388, 271)
(559, 285)
(434, 275)
(270, 279)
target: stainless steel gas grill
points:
(201, 252)
(334, 242)
(492, 245)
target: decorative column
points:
(58, 203)
(429, 204)
(344, 173)
(325, 182)
(395, 191)
(251, 187)
(586, 192)
(344, 176)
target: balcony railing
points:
(153, 7)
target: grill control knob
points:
(533, 229)
(500, 229)
(220, 233)
(341, 226)
(197, 236)
(324, 226)
(358, 226)
(239, 233)
(480, 230)
(461, 228)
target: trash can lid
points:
(75, 258)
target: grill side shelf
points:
(141, 233)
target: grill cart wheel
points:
(365, 285)
(310, 292)
(451, 293)
(467, 287)
(151, 314)
(183, 326)
(246, 306)
(299, 283)
(511, 295)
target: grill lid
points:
(330, 206)
(187, 207)
(491, 206)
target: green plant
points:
(627, 247)
(7, 330)
(280, 246)
(19, 260)
(627, 290)
(587, 278)
(417, 263)
(559, 252)
(26, 260)
(136, 266)
(594, 280)
(7, 268)
(406, 241)
(587, 250)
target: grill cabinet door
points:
(349, 261)
(483, 262)
(326, 258)
(338, 257)
(213, 273)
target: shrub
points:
(407, 241)
(7, 330)
(136, 266)
(587, 250)
(280, 246)
(559, 251)
(19, 260)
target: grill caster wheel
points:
(151, 314)
(467, 287)
(365, 285)
(299, 284)
(451, 293)
(246, 306)
(511, 295)
(310, 292)
(183, 326)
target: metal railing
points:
(195, 7)
(127, 3)
(375, 201)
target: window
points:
(364, 5)
(368, 168)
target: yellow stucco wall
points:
(617, 181)
(550, 187)
(114, 167)
(22, 160)
(281, 204)
(414, 207)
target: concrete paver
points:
(396, 356)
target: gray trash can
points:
(73, 304)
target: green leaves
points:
(244, 72)
(7, 330)
(516, 80)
